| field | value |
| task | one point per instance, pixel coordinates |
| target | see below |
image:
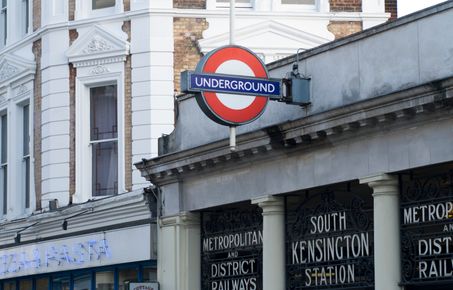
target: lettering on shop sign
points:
(330, 245)
(427, 228)
(232, 250)
(53, 256)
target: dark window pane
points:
(27, 14)
(27, 181)
(104, 280)
(125, 277)
(4, 177)
(42, 284)
(11, 285)
(99, 4)
(103, 113)
(4, 141)
(149, 274)
(4, 16)
(105, 168)
(60, 283)
(26, 130)
(25, 284)
(4, 3)
(4, 159)
(82, 282)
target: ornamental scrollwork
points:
(7, 71)
(97, 44)
(99, 69)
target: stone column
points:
(273, 242)
(387, 244)
(179, 252)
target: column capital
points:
(382, 184)
(183, 218)
(270, 204)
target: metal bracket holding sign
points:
(232, 86)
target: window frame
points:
(97, 142)
(298, 7)
(237, 5)
(83, 139)
(25, 165)
(5, 25)
(18, 168)
(26, 18)
(113, 6)
(4, 166)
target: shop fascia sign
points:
(232, 86)
(144, 286)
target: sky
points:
(408, 6)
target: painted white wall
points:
(55, 118)
(152, 87)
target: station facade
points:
(353, 191)
(86, 89)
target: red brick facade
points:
(36, 14)
(186, 31)
(346, 5)
(127, 5)
(71, 8)
(189, 4)
(391, 7)
(72, 92)
(37, 51)
(128, 113)
(344, 28)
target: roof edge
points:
(363, 34)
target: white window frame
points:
(5, 31)
(238, 5)
(83, 142)
(297, 7)
(22, 156)
(85, 9)
(13, 106)
(24, 29)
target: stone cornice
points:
(308, 132)
(89, 216)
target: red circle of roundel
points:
(221, 113)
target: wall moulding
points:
(96, 47)
(13, 68)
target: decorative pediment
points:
(13, 68)
(269, 37)
(96, 47)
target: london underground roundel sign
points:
(234, 85)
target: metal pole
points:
(232, 16)
(233, 138)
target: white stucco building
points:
(86, 89)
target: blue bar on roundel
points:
(234, 84)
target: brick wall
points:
(187, 31)
(36, 14)
(344, 28)
(346, 5)
(128, 113)
(37, 122)
(72, 92)
(391, 7)
(189, 4)
(71, 9)
(127, 5)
